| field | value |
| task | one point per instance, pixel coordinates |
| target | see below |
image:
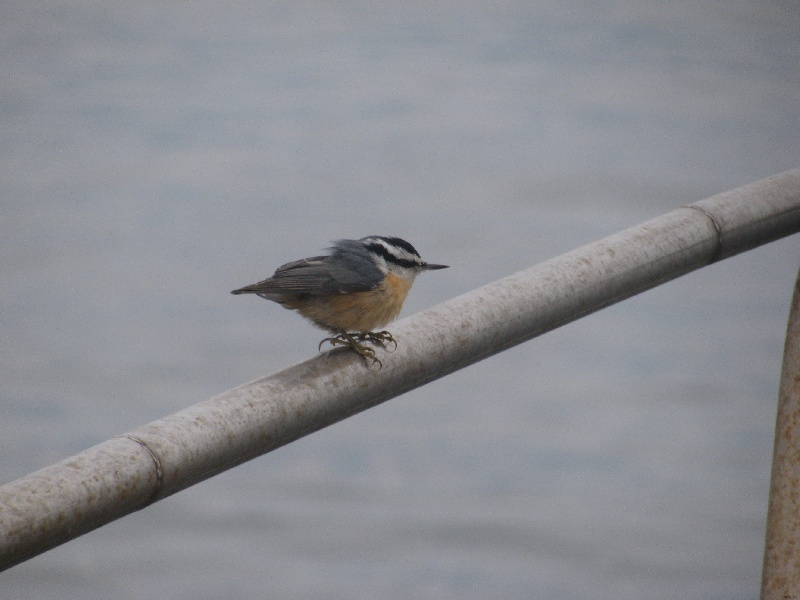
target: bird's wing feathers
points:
(319, 276)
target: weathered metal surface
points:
(781, 574)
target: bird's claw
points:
(357, 342)
(377, 337)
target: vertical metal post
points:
(780, 578)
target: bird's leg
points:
(353, 341)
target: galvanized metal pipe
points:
(128, 472)
(781, 574)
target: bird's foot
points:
(379, 338)
(357, 342)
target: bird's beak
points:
(430, 267)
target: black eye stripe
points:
(381, 251)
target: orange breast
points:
(359, 311)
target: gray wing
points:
(319, 276)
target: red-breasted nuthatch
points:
(360, 286)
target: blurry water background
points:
(154, 156)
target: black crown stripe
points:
(400, 243)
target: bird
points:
(359, 286)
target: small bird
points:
(359, 286)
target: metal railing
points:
(131, 471)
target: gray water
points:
(154, 157)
